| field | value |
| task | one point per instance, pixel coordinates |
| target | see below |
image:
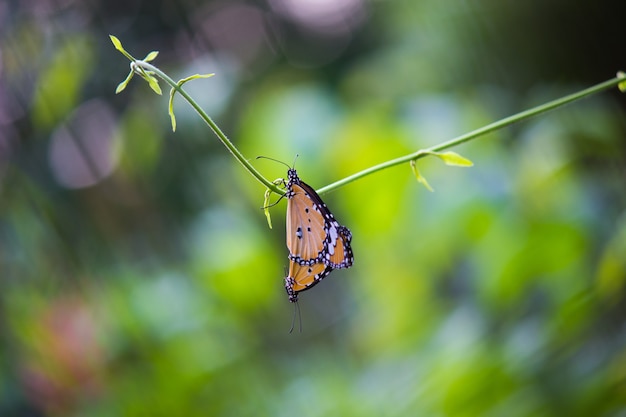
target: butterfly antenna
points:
(294, 161)
(296, 312)
(272, 159)
(299, 316)
(274, 203)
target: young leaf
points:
(151, 56)
(454, 159)
(116, 43)
(419, 177)
(193, 77)
(173, 92)
(622, 85)
(121, 86)
(170, 111)
(266, 207)
(119, 47)
(154, 84)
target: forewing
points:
(313, 233)
(306, 237)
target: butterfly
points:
(316, 241)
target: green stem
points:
(393, 162)
(474, 134)
(218, 132)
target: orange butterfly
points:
(316, 241)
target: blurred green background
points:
(138, 276)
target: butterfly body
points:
(316, 241)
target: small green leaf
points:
(153, 83)
(151, 56)
(116, 43)
(454, 159)
(622, 85)
(193, 77)
(119, 47)
(173, 92)
(266, 207)
(170, 111)
(121, 86)
(419, 177)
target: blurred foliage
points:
(138, 274)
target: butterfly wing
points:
(336, 250)
(305, 225)
(339, 255)
(302, 277)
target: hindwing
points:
(302, 277)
